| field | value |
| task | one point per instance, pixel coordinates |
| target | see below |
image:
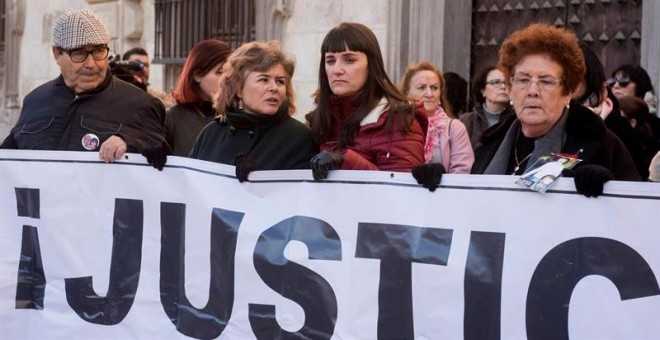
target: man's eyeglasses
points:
(546, 84)
(80, 55)
(623, 81)
(496, 82)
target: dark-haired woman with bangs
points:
(362, 121)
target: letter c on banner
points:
(295, 282)
(560, 270)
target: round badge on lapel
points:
(90, 142)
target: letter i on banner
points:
(31, 281)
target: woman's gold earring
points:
(240, 104)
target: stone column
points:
(14, 25)
(650, 49)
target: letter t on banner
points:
(397, 246)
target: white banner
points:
(93, 250)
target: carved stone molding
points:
(271, 18)
(123, 18)
(415, 33)
(14, 26)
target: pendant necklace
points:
(519, 163)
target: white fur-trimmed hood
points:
(374, 114)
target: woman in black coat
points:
(254, 129)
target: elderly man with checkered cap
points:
(86, 107)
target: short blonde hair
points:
(253, 56)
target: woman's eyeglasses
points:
(623, 81)
(496, 82)
(546, 84)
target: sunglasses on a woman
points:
(622, 80)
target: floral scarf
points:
(437, 122)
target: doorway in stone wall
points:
(611, 28)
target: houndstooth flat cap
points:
(79, 28)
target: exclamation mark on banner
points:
(31, 282)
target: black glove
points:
(244, 165)
(325, 161)
(429, 175)
(157, 154)
(590, 178)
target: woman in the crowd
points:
(636, 112)
(456, 94)
(490, 94)
(198, 84)
(594, 94)
(447, 142)
(361, 121)
(254, 129)
(545, 65)
(629, 80)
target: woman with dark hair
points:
(545, 65)
(594, 94)
(456, 93)
(490, 94)
(198, 83)
(636, 112)
(447, 142)
(254, 129)
(629, 80)
(361, 121)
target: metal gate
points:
(180, 24)
(611, 28)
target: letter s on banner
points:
(293, 281)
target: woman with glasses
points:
(545, 65)
(447, 142)
(491, 103)
(629, 80)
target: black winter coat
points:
(183, 122)
(55, 118)
(584, 130)
(277, 142)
